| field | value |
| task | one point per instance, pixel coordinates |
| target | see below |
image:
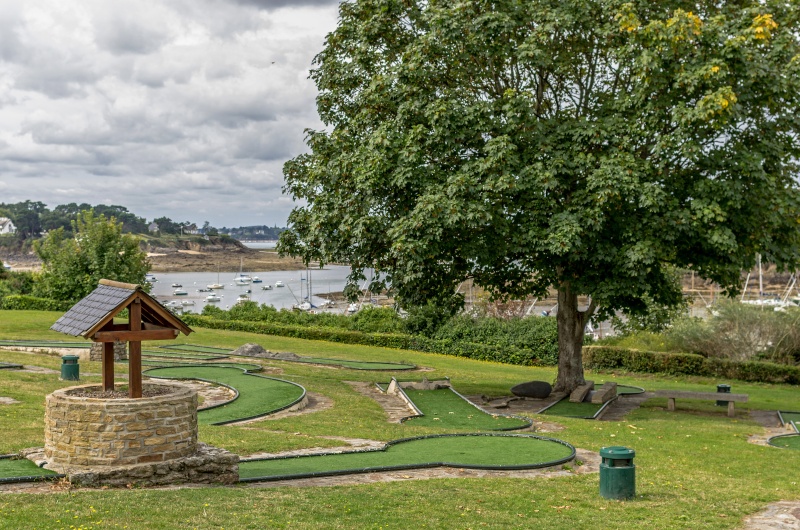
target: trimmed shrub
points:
(21, 302)
(614, 358)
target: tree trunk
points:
(571, 324)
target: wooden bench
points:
(671, 395)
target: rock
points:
(255, 350)
(533, 389)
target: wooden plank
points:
(141, 335)
(135, 351)
(684, 394)
(108, 366)
(579, 394)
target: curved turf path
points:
(787, 442)
(258, 395)
(494, 451)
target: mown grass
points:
(695, 467)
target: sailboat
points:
(242, 279)
(216, 285)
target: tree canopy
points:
(589, 145)
(72, 267)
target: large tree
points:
(72, 267)
(588, 145)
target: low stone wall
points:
(90, 431)
(208, 465)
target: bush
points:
(615, 358)
(20, 302)
(741, 332)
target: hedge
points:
(612, 357)
(23, 302)
(471, 350)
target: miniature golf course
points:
(788, 441)
(257, 395)
(482, 451)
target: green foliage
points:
(537, 334)
(741, 332)
(71, 268)
(21, 302)
(615, 358)
(587, 145)
(15, 282)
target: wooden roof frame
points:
(93, 318)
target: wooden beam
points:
(127, 336)
(108, 366)
(135, 350)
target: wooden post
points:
(135, 351)
(108, 366)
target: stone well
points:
(95, 431)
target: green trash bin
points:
(723, 389)
(70, 369)
(617, 473)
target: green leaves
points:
(72, 268)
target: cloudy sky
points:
(183, 108)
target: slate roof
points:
(102, 304)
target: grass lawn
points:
(695, 467)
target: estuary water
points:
(296, 287)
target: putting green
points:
(568, 409)
(788, 417)
(447, 409)
(786, 441)
(257, 395)
(480, 451)
(16, 469)
(197, 348)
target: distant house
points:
(6, 226)
(190, 229)
(152, 227)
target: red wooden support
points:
(135, 351)
(108, 366)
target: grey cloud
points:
(276, 4)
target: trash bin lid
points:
(616, 452)
(69, 358)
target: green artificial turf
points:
(458, 451)
(791, 441)
(182, 355)
(789, 417)
(258, 395)
(568, 409)
(11, 366)
(11, 468)
(445, 409)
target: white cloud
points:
(186, 108)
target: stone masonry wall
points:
(89, 431)
(120, 351)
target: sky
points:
(179, 108)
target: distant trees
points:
(72, 266)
